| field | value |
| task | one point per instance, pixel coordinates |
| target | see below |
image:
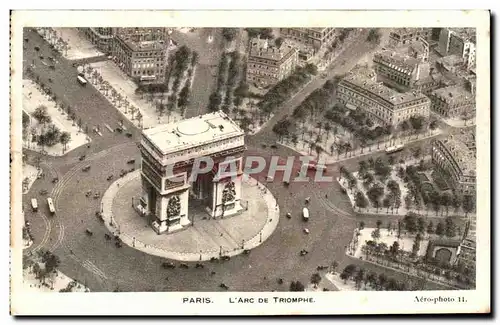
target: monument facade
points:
(169, 152)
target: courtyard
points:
(206, 238)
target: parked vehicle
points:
(81, 158)
(131, 161)
(89, 232)
(306, 231)
(34, 205)
(184, 266)
(199, 266)
(224, 286)
(168, 265)
(86, 168)
(37, 48)
(225, 258)
(110, 177)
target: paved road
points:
(87, 103)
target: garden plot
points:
(389, 237)
(33, 98)
(78, 46)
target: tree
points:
(360, 200)
(376, 234)
(229, 33)
(382, 280)
(363, 167)
(65, 138)
(421, 225)
(359, 278)
(410, 221)
(374, 36)
(371, 277)
(348, 272)
(315, 279)
(394, 249)
(41, 115)
(386, 202)
(416, 245)
(468, 204)
(440, 229)
(361, 225)
(445, 200)
(334, 266)
(430, 228)
(450, 228)
(379, 223)
(183, 96)
(296, 286)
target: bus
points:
(81, 80)
(34, 205)
(305, 214)
(51, 205)
(394, 149)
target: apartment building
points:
(399, 70)
(383, 104)
(141, 53)
(404, 36)
(455, 157)
(459, 41)
(101, 37)
(267, 64)
(314, 37)
(453, 101)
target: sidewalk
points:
(366, 150)
(270, 223)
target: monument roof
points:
(192, 132)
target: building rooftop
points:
(452, 94)
(199, 130)
(467, 34)
(382, 91)
(399, 61)
(139, 45)
(264, 49)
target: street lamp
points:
(220, 251)
(260, 240)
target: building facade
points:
(459, 41)
(314, 37)
(101, 37)
(455, 157)
(169, 153)
(398, 70)
(383, 104)
(404, 36)
(141, 55)
(453, 101)
(267, 64)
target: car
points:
(131, 161)
(26, 40)
(53, 67)
(184, 266)
(246, 251)
(37, 48)
(86, 168)
(199, 266)
(273, 146)
(128, 135)
(89, 232)
(289, 215)
(225, 258)
(41, 57)
(119, 130)
(81, 158)
(168, 265)
(306, 231)
(110, 177)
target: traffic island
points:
(206, 238)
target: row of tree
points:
(282, 91)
